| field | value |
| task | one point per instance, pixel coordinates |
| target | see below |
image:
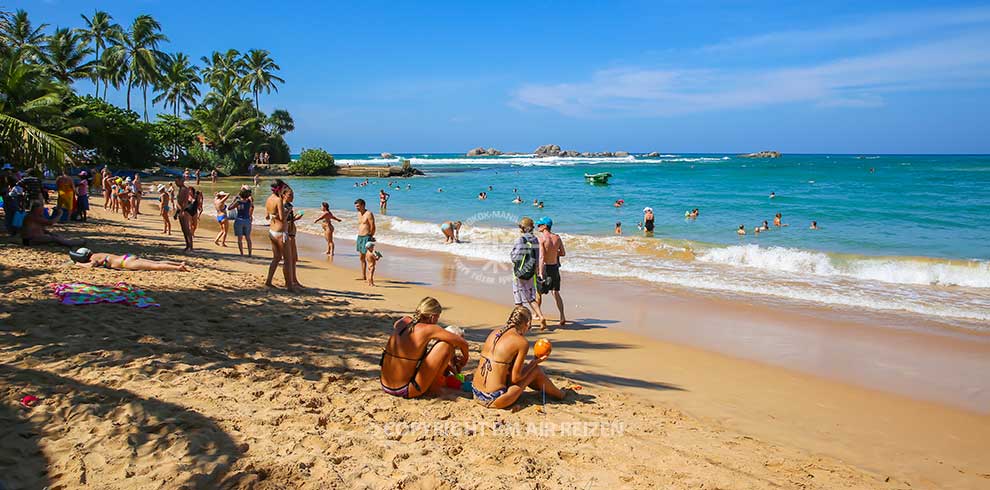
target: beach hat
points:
(81, 255)
(221, 193)
(545, 221)
(128, 180)
(647, 209)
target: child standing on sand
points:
(164, 199)
(371, 257)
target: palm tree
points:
(178, 83)
(30, 99)
(220, 67)
(26, 145)
(112, 69)
(260, 68)
(99, 30)
(25, 40)
(139, 47)
(178, 86)
(65, 56)
(279, 122)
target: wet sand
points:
(233, 385)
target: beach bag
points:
(525, 257)
(232, 212)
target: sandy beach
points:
(232, 385)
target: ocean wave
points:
(932, 272)
(900, 284)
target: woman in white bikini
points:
(275, 213)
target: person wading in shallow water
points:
(366, 230)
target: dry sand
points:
(231, 385)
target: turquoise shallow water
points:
(911, 233)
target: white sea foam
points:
(973, 274)
(950, 289)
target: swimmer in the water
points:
(648, 219)
(536, 202)
(618, 228)
(619, 203)
(777, 220)
(741, 230)
(765, 227)
(440, 189)
(814, 225)
(517, 200)
(773, 195)
(540, 205)
(695, 213)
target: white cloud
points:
(888, 26)
(960, 60)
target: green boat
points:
(601, 178)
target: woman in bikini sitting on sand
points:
(327, 219)
(419, 352)
(85, 257)
(502, 373)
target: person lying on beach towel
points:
(78, 293)
(418, 353)
(85, 257)
(503, 373)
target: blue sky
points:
(731, 76)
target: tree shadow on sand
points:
(209, 450)
(24, 464)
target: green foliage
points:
(173, 135)
(313, 162)
(116, 136)
(43, 122)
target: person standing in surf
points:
(551, 250)
(383, 200)
(648, 219)
(366, 230)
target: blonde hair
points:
(427, 306)
(519, 317)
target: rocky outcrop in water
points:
(481, 152)
(652, 154)
(762, 154)
(555, 151)
(387, 155)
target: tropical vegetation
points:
(205, 116)
(313, 162)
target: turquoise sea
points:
(896, 232)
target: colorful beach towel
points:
(79, 293)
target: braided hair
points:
(519, 317)
(427, 306)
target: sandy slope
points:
(231, 385)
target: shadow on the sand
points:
(608, 379)
(25, 464)
(213, 448)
